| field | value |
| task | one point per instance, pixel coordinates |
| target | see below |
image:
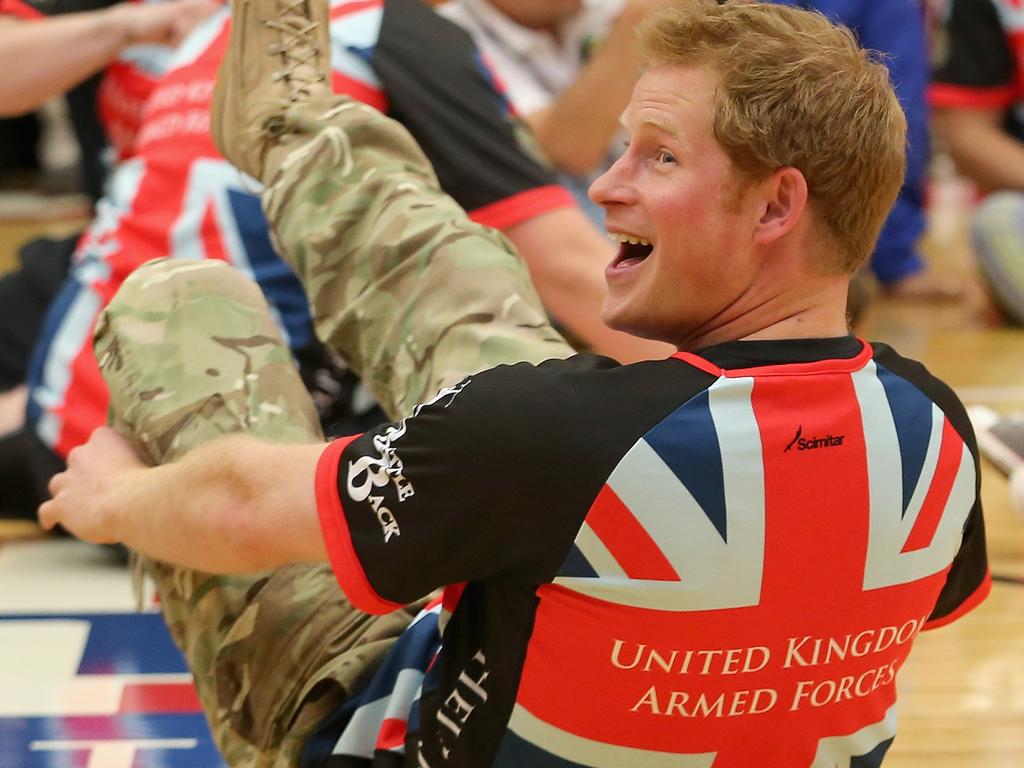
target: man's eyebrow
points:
(661, 125)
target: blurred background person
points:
(177, 197)
(978, 100)
(105, 58)
(569, 66)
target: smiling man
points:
(718, 559)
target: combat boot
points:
(278, 57)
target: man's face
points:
(676, 189)
(539, 14)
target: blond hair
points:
(795, 91)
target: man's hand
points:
(164, 23)
(87, 496)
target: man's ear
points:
(783, 200)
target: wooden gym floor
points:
(962, 690)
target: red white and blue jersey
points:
(720, 559)
(178, 198)
(978, 52)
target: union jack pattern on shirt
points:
(668, 564)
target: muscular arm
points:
(217, 510)
(42, 59)
(982, 149)
(566, 257)
(577, 129)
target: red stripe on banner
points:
(347, 9)
(209, 233)
(359, 90)
(152, 698)
(966, 97)
(523, 206)
(627, 540)
(334, 527)
(392, 734)
(85, 401)
(927, 523)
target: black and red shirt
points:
(719, 559)
(978, 52)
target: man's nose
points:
(613, 186)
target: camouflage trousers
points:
(409, 292)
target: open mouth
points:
(632, 250)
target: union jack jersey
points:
(178, 198)
(720, 559)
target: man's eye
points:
(666, 157)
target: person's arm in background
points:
(45, 57)
(484, 158)
(577, 129)
(566, 257)
(981, 147)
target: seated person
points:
(897, 29)
(569, 68)
(179, 198)
(977, 97)
(720, 558)
(106, 59)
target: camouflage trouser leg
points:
(409, 291)
(402, 284)
(190, 353)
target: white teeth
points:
(618, 237)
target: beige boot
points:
(278, 57)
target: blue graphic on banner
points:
(132, 645)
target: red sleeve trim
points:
(967, 97)
(334, 527)
(522, 206)
(20, 9)
(966, 606)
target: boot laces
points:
(298, 49)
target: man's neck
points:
(814, 309)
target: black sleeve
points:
(438, 86)
(968, 579)
(492, 478)
(972, 49)
(464, 488)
